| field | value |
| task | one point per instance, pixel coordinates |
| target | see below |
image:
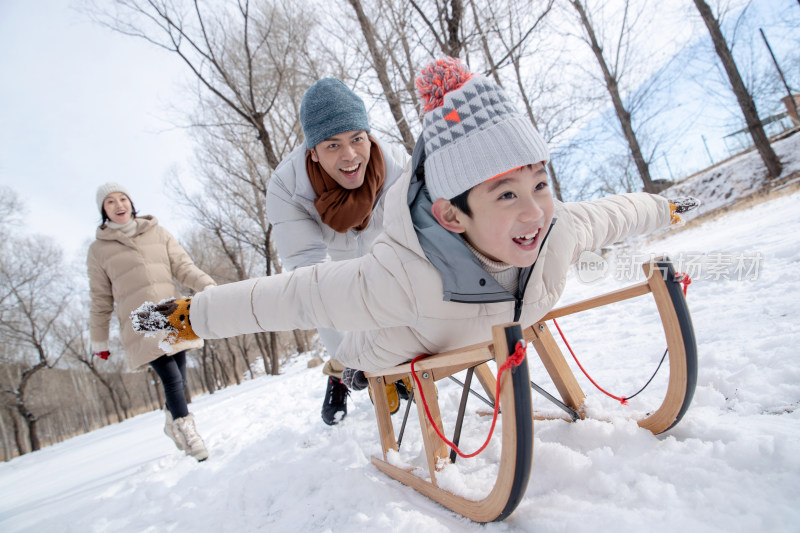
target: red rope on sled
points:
(680, 277)
(684, 279)
(514, 360)
(620, 399)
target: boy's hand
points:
(170, 315)
(682, 205)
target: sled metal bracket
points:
(569, 410)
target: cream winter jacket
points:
(131, 271)
(393, 302)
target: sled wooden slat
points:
(435, 448)
(557, 367)
(486, 379)
(516, 435)
(461, 358)
(598, 301)
(381, 404)
(680, 383)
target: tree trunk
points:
(233, 360)
(7, 452)
(155, 381)
(29, 418)
(273, 345)
(612, 86)
(746, 102)
(115, 400)
(18, 437)
(379, 64)
(551, 169)
(454, 44)
(300, 341)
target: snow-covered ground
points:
(732, 464)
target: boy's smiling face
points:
(510, 215)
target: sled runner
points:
(515, 409)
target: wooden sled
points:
(515, 397)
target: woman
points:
(134, 260)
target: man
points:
(325, 200)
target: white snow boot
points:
(194, 444)
(171, 432)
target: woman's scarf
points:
(344, 209)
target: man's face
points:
(344, 157)
(510, 215)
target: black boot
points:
(335, 402)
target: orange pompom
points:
(439, 78)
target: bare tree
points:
(233, 216)
(381, 67)
(394, 39)
(444, 19)
(612, 69)
(74, 336)
(33, 293)
(508, 33)
(239, 54)
(743, 97)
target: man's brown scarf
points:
(344, 209)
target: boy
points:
(472, 238)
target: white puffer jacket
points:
(392, 300)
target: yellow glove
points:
(681, 205)
(170, 315)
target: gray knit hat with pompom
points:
(471, 130)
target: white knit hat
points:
(471, 129)
(106, 189)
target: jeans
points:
(172, 371)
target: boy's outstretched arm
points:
(608, 220)
(370, 292)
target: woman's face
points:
(118, 207)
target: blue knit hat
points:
(329, 108)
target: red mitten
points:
(103, 355)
